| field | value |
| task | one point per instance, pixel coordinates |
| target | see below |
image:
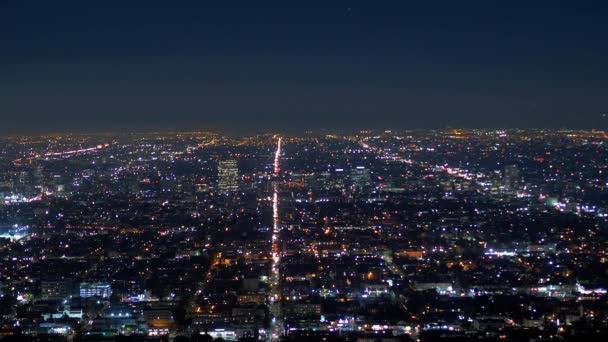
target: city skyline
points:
(303, 171)
(419, 235)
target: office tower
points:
(360, 177)
(512, 178)
(103, 290)
(228, 175)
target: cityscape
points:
(374, 235)
(295, 171)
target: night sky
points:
(255, 66)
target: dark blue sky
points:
(248, 66)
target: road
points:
(276, 324)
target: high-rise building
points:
(228, 175)
(360, 177)
(103, 290)
(512, 178)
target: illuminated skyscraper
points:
(512, 178)
(360, 178)
(228, 175)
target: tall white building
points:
(228, 175)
